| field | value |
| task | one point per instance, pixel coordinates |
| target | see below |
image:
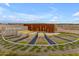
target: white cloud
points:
(54, 19)
(76, 19)
(11, 16)
(27, 17)
(4, 16)
(14, 16)
(7, 4)
(53, 9)
(76, 14)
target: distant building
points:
(50, 28)
(41, 27)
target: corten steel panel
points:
(41, 27)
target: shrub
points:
(55, 47)
(38, 50)
(33, 48)
(45, 50)
(66, 47)
(25, 48)
(49, 47)
(61, 47)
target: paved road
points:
(34, 39)
(49, 40)
(63, 38)
(72, 36)
(19, 39)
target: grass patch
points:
(25, 31)
(23, 42)
(42, 42)
(77, 38)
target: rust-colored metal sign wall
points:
(41, 27)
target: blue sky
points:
(39, 13)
